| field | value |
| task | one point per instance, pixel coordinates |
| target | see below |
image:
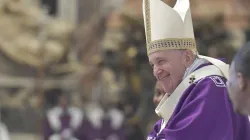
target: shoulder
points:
(210, 85)
(208, 89)
(213, 81)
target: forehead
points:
(164, 54)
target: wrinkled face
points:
(159, 93)
(168, 67)
(238, 92)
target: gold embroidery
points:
(174, 43)
(148, 24)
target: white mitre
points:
(167, 27)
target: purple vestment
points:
(100, 125)
(204, 112)
(105, 132)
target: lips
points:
(162, 77)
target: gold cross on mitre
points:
(167, 27)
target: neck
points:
(196, 63)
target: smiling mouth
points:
(164, 77)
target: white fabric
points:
(4, 133)
(167, 22)
(224, 68)
(198, 62)
(163, 125)
(167, 105)
(113, 137)
(53, 118)
(77, 117)
(68, 11)
(95, 114)
(54, 114)
(117, 118)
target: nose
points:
(157, 71)
(156, 100)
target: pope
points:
(196, 105)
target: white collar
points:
(197, 62)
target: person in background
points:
(239, 80)
(158, 95)
(63, 121)
(103, 121)
(4, 133)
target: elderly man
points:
(196, 105)
(239, 81)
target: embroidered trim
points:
(148, 23)
(218, 81)
(174, 43)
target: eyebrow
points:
(158, 58)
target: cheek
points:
(236, 96)
(177, 72)
(155, 99)
(159, 98)
(232, 89)
(166, 67)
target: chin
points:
(167, 89)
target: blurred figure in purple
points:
(63, 121)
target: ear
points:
(243, 83)
(189, 58)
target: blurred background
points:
(78, 68)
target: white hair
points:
(195, 52)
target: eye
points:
(157, 93)
(160, 62)
(152, 65)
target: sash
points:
(167, 105)
(223, 67)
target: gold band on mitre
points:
(171, 44)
